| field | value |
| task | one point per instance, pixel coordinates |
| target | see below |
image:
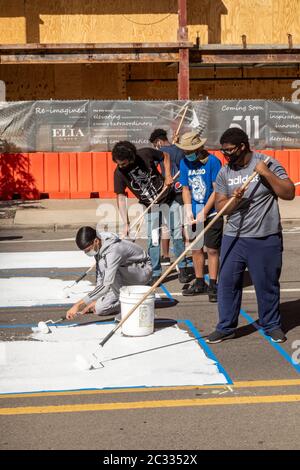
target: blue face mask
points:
(192, 157)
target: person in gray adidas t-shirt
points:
(252, 237)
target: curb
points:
(286, 223)
(50, 227)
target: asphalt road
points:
(259, 411)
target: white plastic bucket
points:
(140, 322)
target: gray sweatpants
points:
(135, 274)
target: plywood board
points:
(152, 90)
(12, 22)
(142, 81)
(68, 81)
(152, 71)
(218, 21)
(286, 14)
(118, 21)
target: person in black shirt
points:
(137, 170)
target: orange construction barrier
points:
(84, 175)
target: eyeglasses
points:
(229, 152)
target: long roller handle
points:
(170, 268)
(139, 219)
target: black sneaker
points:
(184, 277)
(217, 337)
(165, 261)
(212, 293)
(195, 289)
(277, 336)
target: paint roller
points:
(43, 326)
(96, 359)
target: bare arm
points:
(283, 188)
(167, 163)
(211, 201)
(186, 196)
(221, 200)
(122, 206)
(75, 309)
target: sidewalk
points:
(58, 214)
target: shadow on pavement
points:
(290, 314)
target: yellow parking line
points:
(109, 391)
(150, 404)
(267, 383)
(240, 384)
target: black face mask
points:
(128, 167)
(235, 156)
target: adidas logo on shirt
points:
(239, 180)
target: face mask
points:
(92, 253)
(128, 166)
(192, 157)
(234, 156)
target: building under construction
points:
(141, 50)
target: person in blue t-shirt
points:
(198, 173)
(159, 140)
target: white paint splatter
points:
(49, 364)
(45, 259)
(30, 291)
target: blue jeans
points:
(173, 219)
(263, 257)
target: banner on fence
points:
(85, 126)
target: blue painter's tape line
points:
(206, 348)
(21, 325)
(276, 346)
(165, 290)
(64, 325)
(77, 390)
(58, 325)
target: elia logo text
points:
(67, 133)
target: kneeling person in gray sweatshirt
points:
(118, 263)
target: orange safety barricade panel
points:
(64, 173)
(51, 172)
(73, 173)
(84, 168)
(294, 169)
(87, 174)
(36, 169)
(283, 156)
(99, 172)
